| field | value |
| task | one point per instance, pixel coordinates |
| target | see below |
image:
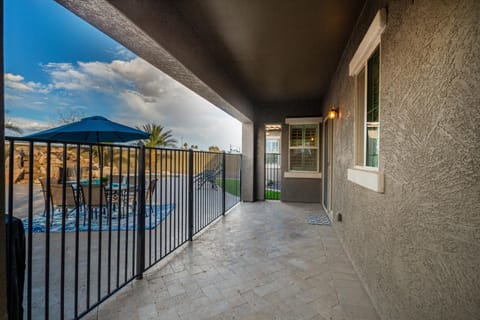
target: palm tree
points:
(158, 137)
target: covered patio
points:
(261, 261)
(378, 107)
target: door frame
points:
(329, 164)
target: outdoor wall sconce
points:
(332, 113)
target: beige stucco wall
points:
(417, 246)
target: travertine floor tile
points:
(261, 261)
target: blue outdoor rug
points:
(159, 213)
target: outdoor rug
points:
(321, 218)
(159, 213)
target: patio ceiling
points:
(237, 54)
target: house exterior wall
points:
(299, 189)
(416, 246)
(292, 189)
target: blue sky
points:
(57, 65)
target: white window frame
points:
(304, 174)
(364, 123)
(368, 177)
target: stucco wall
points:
(292, 189)
(417, 246)
(296, 189)
(248, 162)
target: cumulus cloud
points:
(13, 77)
(16, 82)
(27, 125)
(135, 74)
(139, 93)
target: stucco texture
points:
(292, 189)
(417, 245)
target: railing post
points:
(224, 157)
(141, 214)
(190, 195)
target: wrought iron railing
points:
(96, 216)
(273, 176)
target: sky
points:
(57, 66)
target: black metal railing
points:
(96, 216)
(272, 176)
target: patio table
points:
(113, 192)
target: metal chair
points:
(56, 198)
(129, 198)
(208, 176)
(93, 199)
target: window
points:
(303, 147)
(365, 67)
(367, 113)
(273, 146)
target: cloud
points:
(28, 125)
(13, 77)
(16, 82)
(135, 74)
(134, 92)
(122, 53)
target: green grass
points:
(272, 195)
(232, 186)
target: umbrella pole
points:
(100, 156)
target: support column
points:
(248, 162)
(260, 162)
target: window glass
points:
(303, 153)
(310, 135)
(303, 159)
(373, 82)
(373, 87)
(273, 146)
(372, 146)
(296, 135)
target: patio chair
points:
(116, 178)
(208, 176)
(129, 197)
(90, 198)
(56, 198)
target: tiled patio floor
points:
(261, 261)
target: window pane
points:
(273, 146)
(310, 135)
(372, 146)
(360, 120)
(373, 83)
(296, 135)
(303, 159)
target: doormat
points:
(321, 218)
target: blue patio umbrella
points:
(91, 130)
